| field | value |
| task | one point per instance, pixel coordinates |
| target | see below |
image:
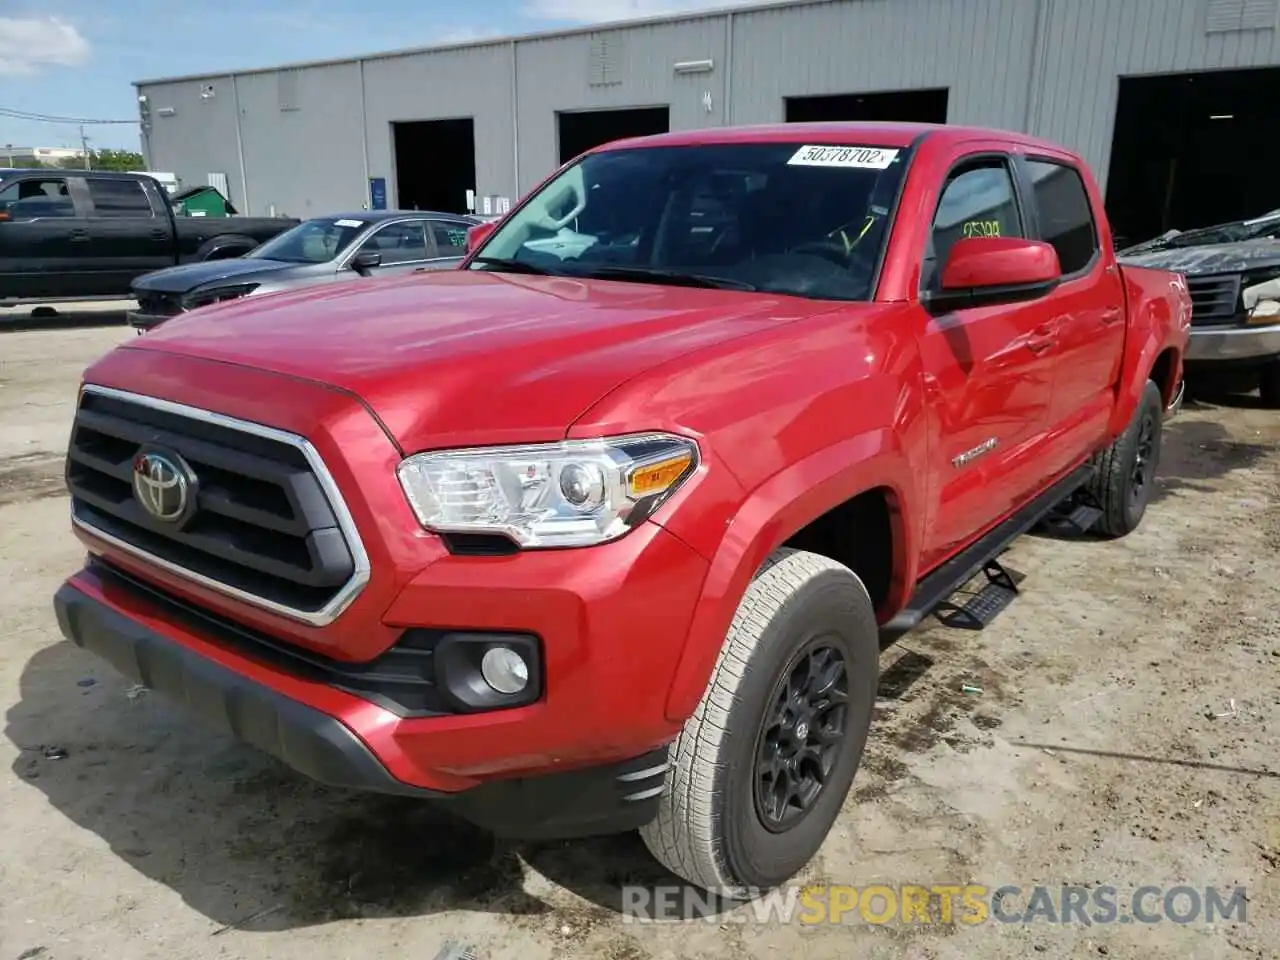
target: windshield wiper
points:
(656, 275)
(513, 266)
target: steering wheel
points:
(555, 224)
(827, 249)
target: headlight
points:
(202, 298)
(569, 494)
(1262, 301)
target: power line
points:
(13, 114)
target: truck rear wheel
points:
(762, 768)
(1126, 470)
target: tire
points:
(711, 825)
(1125, 471)
(1269, 385)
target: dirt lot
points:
(1127, 733)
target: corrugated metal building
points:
(307, 139)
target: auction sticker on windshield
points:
(348, 223)
(864, 158)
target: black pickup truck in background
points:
(68, 235)
(1233, 275)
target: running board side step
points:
(983, 607)
(932, 592)
(1072, 520)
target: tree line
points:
(121, 160)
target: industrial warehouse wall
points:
(193, 133)
(452, 84)
(311, 137)
(1085, 46)
(611, 69)
(303, 140)
(979, 49)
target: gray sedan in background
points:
(321, 250)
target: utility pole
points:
(84, 145)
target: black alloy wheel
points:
(801, 735)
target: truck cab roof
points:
(887, 134)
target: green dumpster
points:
(202, 202)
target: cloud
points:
(28, 44)
(602, 11)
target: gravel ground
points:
(1125, 734)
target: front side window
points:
(808, 220)
(399, 243)
(119, 199)
(312, 241)
(977, 201)
(34, 199)
(1065, 215)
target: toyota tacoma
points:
(600, 531)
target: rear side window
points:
(119, 199)
(1066, 218)
(451, 238)
(977, 201)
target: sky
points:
(78, 58)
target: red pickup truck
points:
(599, 531)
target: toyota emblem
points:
(163, 485)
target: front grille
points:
(1214, 300)
(266, 524)
(158, 304)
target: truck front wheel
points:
(761, 769)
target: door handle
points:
(1112, 315)
(79, 235)
(158, 235)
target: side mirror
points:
(477, 235)
(980, 271)
(366, 260)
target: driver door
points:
(988, 371)
(45, 250)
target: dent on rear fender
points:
(1152, 328)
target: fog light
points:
(504, 670)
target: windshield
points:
(312, 241)
(790, 218)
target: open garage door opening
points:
(905, 106)
(582, 130)
(435, 164)
(1193, 150)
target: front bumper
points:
(1234, 344)
(604, 798)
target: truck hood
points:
(188, 276)
(1247, 255)
(467, 358)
